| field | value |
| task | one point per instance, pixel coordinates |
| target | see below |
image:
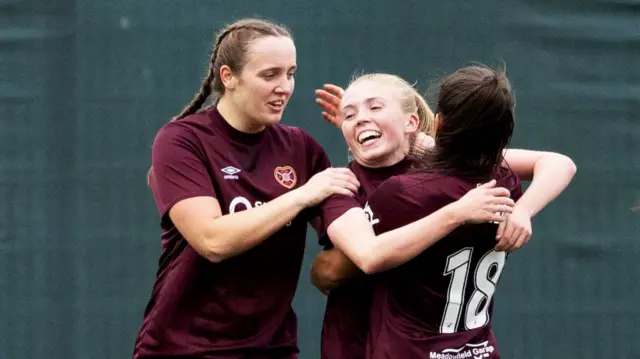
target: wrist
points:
(453, 215)
(529, 210)
(298, 198)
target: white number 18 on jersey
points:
(476, 313)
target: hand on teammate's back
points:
(485, 203)
(423, 142)
(515, 231)
(328, 182)
(329, 99)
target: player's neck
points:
(386, 161)
(235, 118)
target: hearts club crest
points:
(286, 176)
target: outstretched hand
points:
(329, 99)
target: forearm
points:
(551, 175)
(332, 268)
(235, 233)
(374, 254)
(400, 245)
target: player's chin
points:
(271, 119)
(373, 154)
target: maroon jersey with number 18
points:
(240, 307)
(439, 304)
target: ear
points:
(228, 79)
(438, 120)
(412, 124)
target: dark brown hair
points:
(475, 108)
(230, 48)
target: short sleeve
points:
(179, 170)
(396, 203)
(331, 209)
(316, 155)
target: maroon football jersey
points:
(439, 304)
(346, 320)
(241, 307)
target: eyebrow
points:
(367, 100)
(278, 68)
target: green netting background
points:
(84, 86)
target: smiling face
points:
(375, 122)
(264, 86)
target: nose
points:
(285, 86)
(362, 118)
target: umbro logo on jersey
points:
(230, 172)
